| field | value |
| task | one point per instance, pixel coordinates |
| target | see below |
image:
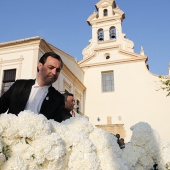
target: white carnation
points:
(30, 141)
(84, 161)
(14, 163)
(9, 126)
(79, 124)
(32, 125)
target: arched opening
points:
(105, 12)
(100, 35)
(112, 33)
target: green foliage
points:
(165, 84)
(6, 151)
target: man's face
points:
(49, 72)
(69, 104)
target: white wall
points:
(23, 59)
(136, 98)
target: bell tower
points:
(106, 26)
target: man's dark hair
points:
(52, 54)
(66, 94)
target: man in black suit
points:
(37, 95)
(69, 104)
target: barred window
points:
(107, 81)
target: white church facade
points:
(112, 85)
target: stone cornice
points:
(19, 41)
(134, 55)
(32, 43)
(106, 47)
(113, 62)
(104, 20)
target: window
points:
(112, 33)
(107, 81)
(100, 35)
(105, 13)
(8, 79)
(78, 106)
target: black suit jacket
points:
(15, 100)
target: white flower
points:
(49, 147)
(147, 138)
(14, 163)
(104, 140)
(9, 126)
(130, 155)
(32, 125)
(142, 133)
(84, 161)
(165, 156)
(21, 148)
(2, 155)
(168, 165)
(79, 124)
(107, 149)
(2, 159)
(30, 141)
(69, 137)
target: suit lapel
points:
(26, 92)
(48, 100)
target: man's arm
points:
(5, 99)
(61, 110)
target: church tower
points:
(110, 70)
(107, 33)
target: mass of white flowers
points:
(30, 141)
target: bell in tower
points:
(100, 37)
(112, 34)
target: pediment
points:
(116, 57)
(104, 3)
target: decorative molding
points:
(16, 62)
(78, 94)
(112, 62)
(66, 85)
(20, 41)
(11, 60)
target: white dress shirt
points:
(74, 113)
(36, 98)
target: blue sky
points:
(63, 24)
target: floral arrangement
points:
(30, 141)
